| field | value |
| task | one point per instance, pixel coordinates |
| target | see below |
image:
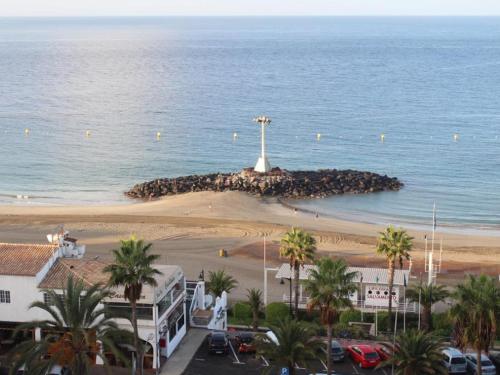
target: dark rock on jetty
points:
(278, 183)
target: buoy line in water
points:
(319, 136)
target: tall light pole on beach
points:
(263, 165)
(432, 266)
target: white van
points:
(454, 361)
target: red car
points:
(245, 342)
(383, 352)
(364, 355)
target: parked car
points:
(338, 354)
(495, 359)
(364, 355)
(245, 342)
(218, 343)
(487, 366)
(383, 352)
(454, 361)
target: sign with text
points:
(378, 295)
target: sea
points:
(91, 106)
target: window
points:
(164, 303)
(49, 300)
(115, 309)
(180, 323)
(4, 296)
(175, 321)
(371, 355)
(458, 361)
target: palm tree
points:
(255, 301)
(427, 295)
(299, 247)
(395, 245)
(417, 353)
(329, 287)
(476, 313)
(296, 344)
(220, 281)
(77, 325)
(132, 269)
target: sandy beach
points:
(189, 230)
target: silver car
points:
(338, 354)
(487, 366)
(454, 361)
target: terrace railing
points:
(411, 307)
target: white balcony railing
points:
(411, 307)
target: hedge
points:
(276, 311)
(348, 316)
(242, 311)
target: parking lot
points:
(236, 363)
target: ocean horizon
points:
(91, 106)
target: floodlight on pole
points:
(263, 165)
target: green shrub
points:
(345, 330)
(351, 315)
(242, 311)
(383, 321)
(309, 316)
(276, 311)
(442, 324)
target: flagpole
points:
(404, 299)
(394, 338)
(431, 255)
(361, 296)
(419, 300)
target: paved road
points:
(183, 355)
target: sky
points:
(9, 8)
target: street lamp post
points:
(290, 281)
(263, 165)
(290, 295)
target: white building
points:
(373, 291)
(27, 270)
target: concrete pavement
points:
(180, 359)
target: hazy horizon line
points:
(251, 15)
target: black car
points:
(218, 343)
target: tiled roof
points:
(24, 259)
(370, 275)
(90, 271)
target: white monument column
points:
(263, 165)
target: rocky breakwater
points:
(277, 183)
